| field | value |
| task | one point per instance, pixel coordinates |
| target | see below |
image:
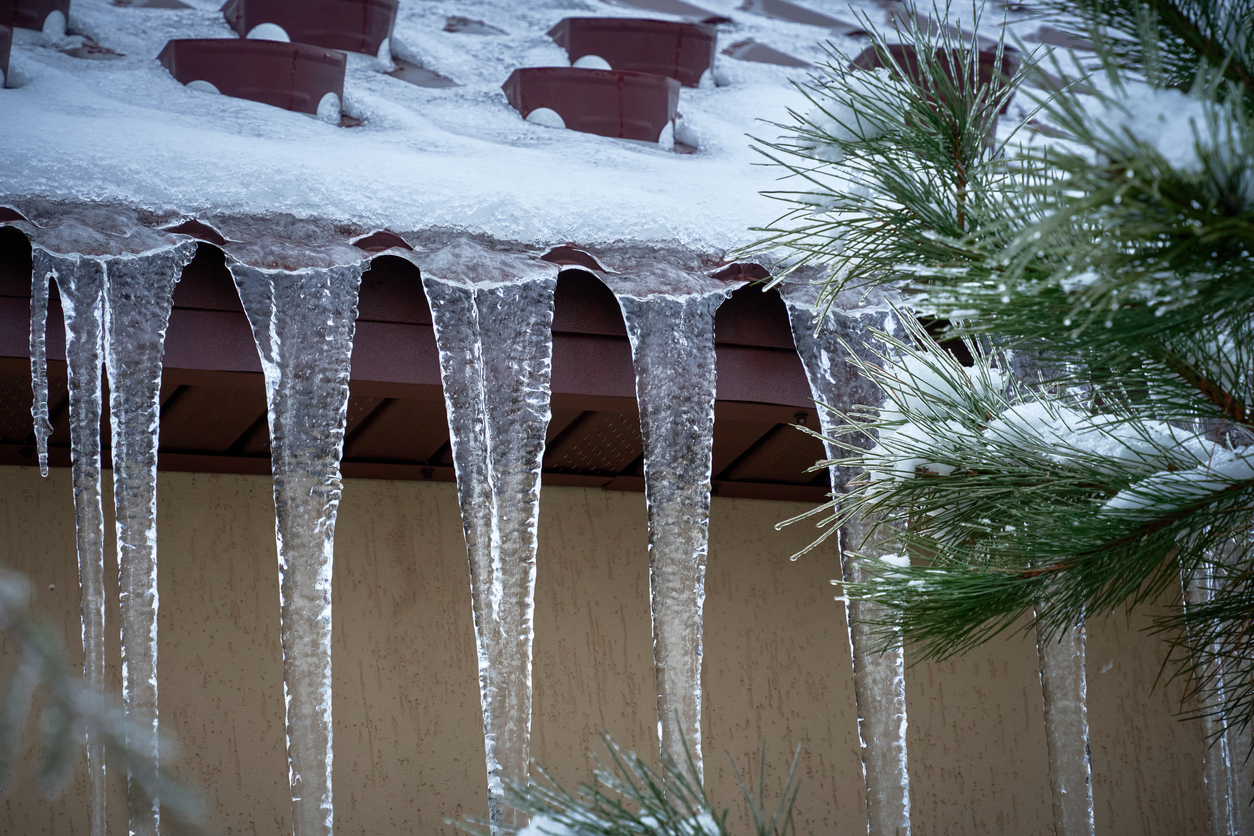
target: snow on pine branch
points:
(947, 430)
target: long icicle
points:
(493, 316)
(303, 323)
(879, 678)
(1064, 684)
(1064, 696)
(39, 291)
(1228, 769)
(138, 297)
(80, 281)
(670, 323)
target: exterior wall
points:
(408, 749)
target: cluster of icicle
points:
(492, 312)
(117, 306)
(116, 279)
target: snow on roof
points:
(125, 131)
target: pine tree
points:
(1096, 260)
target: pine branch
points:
(1124, 256)
(1204, 46)
(1228, 403)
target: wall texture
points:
(408, 749)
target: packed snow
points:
(125, 131)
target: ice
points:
(1061, 658)
(80, 282)
(879, 679)
(39, 359)
(115, 287)
(1227, 768)
(493, 315)
(670, 323)
(138, 296)
(303, 322)
(1063, 690)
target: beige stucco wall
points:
(408, 752)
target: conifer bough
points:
(1098, 259)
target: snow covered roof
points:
(122, 130)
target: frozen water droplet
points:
(592, 62)
(546, 116)
(138, 297)
(1229, 780)
(80, 282)
(268, 32)
(203, 86)
(1063, 689)
(670, 323)
(39, 356)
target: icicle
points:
(493, 316)
(1063, 690)
(39, 358)
(1227, 769)
(80, 281)
(303, 323)
(1240, 744)
(1063, 681)
(879, 678)
(670, 322)
(138, 296)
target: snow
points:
(1179, 127)
(544, 826)
(699, 825)
(940, 419)
(702, 824)
(840, 122)
(125, 131)
(1167, 490)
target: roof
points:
(125, 130)
(213, 414)
(94, 120)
